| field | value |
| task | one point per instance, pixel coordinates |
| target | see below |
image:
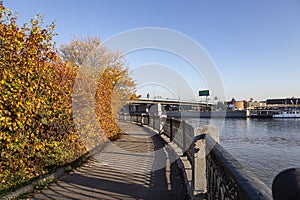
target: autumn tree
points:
(104, 80)
(36, 128)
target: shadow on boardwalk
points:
(136, 167)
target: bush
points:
(37, 129)
(36, 126)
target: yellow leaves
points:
(35, 103)
(6, 156)
(6, 138)
(113, 82)
(2, 120)
(39, 147)
(107, 96)
(18, 114)
(36, 123)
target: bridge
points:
(144, 105)
(168, 102)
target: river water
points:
(264, 146)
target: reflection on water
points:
(264, 146)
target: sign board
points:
(204, 93)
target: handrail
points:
(226, 171)
(226, 178)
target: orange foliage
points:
(104, 80)
(46, 102)
(36, 126)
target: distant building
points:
(287, 101)
(283, 104)
(256, 104)
(236, 105)
(240, 105)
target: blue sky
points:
(254, 44)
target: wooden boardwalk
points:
(135, 167)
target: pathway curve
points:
(135, 167)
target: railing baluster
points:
(171, 129)
(224, 177)
(184, 149)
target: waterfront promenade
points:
(135, 167)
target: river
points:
(264, 146)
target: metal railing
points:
(224, 177)
(228, 179)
